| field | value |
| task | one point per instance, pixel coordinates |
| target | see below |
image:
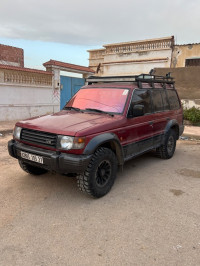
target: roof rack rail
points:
(96, 79)
(135, 78)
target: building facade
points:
(130, 58)
(186, 55)
(162, 55)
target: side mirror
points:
(136, 110)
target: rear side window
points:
(157, 100)
(173, 99)
(165, 100)
(142, 97)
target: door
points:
(162, 114)
(140, 128)
(69, 87)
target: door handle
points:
(151, 123)
(167, 118)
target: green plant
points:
(192, 114)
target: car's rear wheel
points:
(30, 169)
(166, 151)
(100, 174)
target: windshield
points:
(110, 100)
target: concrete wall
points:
(24, 101)
(11, 56)
(26, 93)
(187, 82)
(182, 52)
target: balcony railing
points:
(23, 77)
(132, 47)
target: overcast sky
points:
(87, 23)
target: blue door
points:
(69, 86)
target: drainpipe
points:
(172, 47)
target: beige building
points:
(162, 55)
(137, 57)
(130, 58)
(186, 55)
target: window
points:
(165, 100)
(110, 100)
(157, 100)
(142, 97)
(173, 99)
(192, 62)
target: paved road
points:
(151, 216)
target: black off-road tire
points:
(30, 169)
(100, 174)
(166, 151)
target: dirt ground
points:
(150, 217)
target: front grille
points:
(38, 137)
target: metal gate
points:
(69, 86)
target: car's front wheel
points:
(100, 174)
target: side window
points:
(157, 100)
(165, 100)
(142, 97)
(173, 99)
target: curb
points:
(190, 136)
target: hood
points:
(71, 123)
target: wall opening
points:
(192, 62)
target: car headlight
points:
(68, 142)
(17, 132)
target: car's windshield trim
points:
(97, 111)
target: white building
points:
(130, 58)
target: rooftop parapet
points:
(19, 75)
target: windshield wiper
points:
(98, 111)
(72, 108)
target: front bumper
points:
(52, 160)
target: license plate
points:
(32, 157)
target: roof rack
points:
(155, 78)
(136, 78)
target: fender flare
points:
(102, 139)
(169, 125)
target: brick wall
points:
(11, 55)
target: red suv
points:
(106, 123)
